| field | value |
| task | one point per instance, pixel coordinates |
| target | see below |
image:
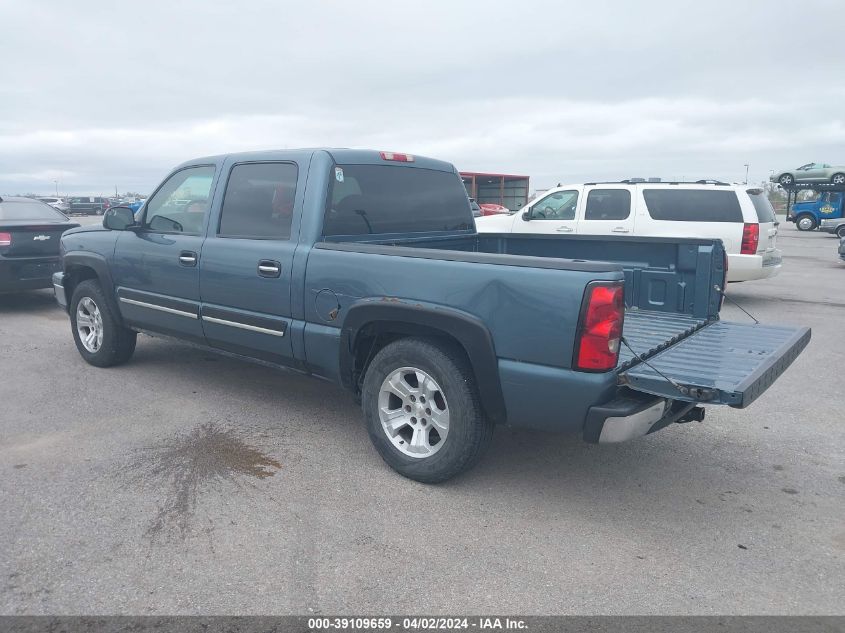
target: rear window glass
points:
(692, 205)
(765, 212)
(259, 201)
(608, 204)
(374, 199)
(29, 211)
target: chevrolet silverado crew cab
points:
(741, 216)
(365, 268)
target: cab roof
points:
(341, 156)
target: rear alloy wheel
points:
(786, 180)
(413, 412)
(838, 179)
(805, 222)
(840, 232)
(422, 410)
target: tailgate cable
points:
(724, 294)
(685, 391)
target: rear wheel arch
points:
(369, 327)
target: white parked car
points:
(57, 203)
(739, 215)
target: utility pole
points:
(56, 182)
(115, 191)
(746, 173)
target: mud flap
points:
(722, 363)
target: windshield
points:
(29, 211)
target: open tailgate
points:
(722, 363)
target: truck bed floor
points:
(649, 331)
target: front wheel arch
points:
(79, 266)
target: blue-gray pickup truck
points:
(364, 268)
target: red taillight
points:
(399, 158)
(750, 239)
(600, 327)
(5, 239)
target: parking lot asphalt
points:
(185, 482)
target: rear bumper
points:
(27, 273)
(750, 267)
(59, 289)
(632, 415)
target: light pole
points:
(56, 182)
(746, 173)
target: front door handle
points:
(188, 258)
(564, 229)
(621, 229)
(269, 268)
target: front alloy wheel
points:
(413, 412)
(838, 179)
(89, 325)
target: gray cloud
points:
(105, 94)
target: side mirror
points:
(526, 215)
(118, 218)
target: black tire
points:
(786, 180)
(837, 179)
(469, 432)
(840, 231)
(807, 226)
(118, 342)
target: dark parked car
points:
(842, 249)
(373, 276)
(29, 243)
(88, 205)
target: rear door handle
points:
(188, 258)
(564, 229)
(269, 268)
(621, 229)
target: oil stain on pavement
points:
(185, 466)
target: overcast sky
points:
(98, 94)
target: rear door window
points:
(608, 204)
(382, 199)
(692, 205)
(259, 201)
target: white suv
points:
(740, 216)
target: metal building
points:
(507, 190)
